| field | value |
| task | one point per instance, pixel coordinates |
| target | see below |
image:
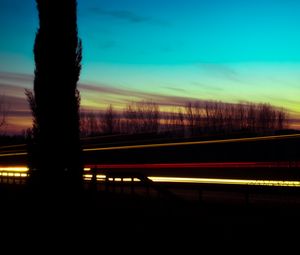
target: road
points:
(266, 156)
(20, 149)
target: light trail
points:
(276, 183)
(249, 139)
(143, 146)
(8, 174)
(216, 181)
(23, 172)
(12, 146)
(14, 169)
(17, 171)
(13, 154)
(194, 165)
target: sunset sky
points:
(167, 51)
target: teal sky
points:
(226, 50)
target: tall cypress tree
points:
(57, 52)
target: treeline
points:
(193, 119)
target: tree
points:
(55, 102)
(109, 121)
(3, 111)
(142, 117)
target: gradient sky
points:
(167, 51)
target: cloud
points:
(123, 15)
(128, 16)
(219, 71)
(175, 89)
(107, 45)
(207, 87)
(24, 80)
(94, 97)
(129, 95)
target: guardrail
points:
(132, 181)
(170, 187)
(136, 182)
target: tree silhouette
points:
(3, 111)
(55, 103)
(109, 121)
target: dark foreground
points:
(101, 221)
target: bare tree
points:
(173, 122)
(219, 117)
(93, 124)
(84, 132)
(251, 117)
(281, 119)
(109, 121)
(142, 117)
(179, 122)
(131, 121)
(3, 111)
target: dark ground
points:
(61, 223)
(111, 222)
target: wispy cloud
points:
(107, 45)
(128, 16)
(16, 78)
(95, 97)
(206, 86)
(175, 89)
(123, 15)
(219, 71)
(129, 95)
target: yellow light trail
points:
(249, 139)
(13, 154)
(23, 172)
(14, 169)
(12, 146)
(142, 146)
(276, 183)
(14, 174)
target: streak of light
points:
(100, 176)
(261, 138)
(193, 165)
(13, 174)
(12, 146)
(276, 183)
(22, 172)
(13, 154)
(14, 169)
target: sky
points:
(169, 52)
